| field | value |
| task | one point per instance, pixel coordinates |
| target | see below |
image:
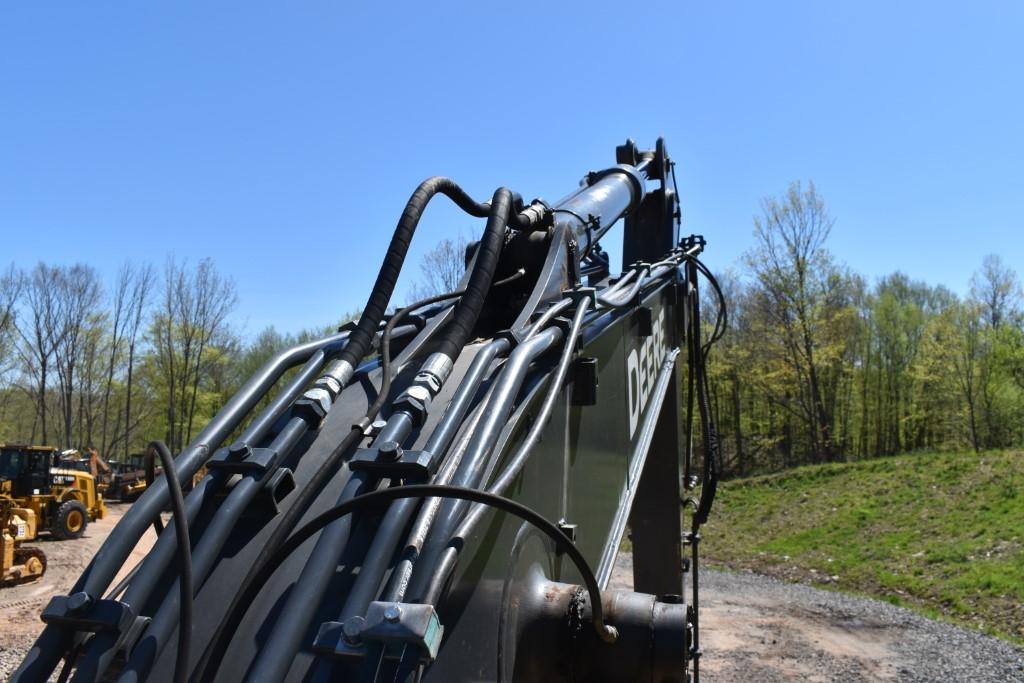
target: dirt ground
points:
(20, 606)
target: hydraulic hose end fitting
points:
(336, 375)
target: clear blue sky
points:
(283, 139)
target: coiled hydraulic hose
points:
(467, 311)
(384, 286)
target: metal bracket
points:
(578, 294)
(82, 612)
(693, 245)
(393, 463)
(126, 643)
(242, 459)
(277, 486)
(395, 624)
(573, 262)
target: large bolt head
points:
(390, 451)
(78, 602)
(352, 630)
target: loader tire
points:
(71, 520)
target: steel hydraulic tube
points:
(389, 533)
(55, 640)
(399, 580)
(467, 311)
(473, 465)
(446, 563)
(276, 656)
(205, 555)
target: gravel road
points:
(754, 628)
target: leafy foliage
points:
(943, 533)
(818, 366)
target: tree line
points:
(152, 355)
(819, 364)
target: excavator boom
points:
(440, 493)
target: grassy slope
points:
(943, 534)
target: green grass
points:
(939, 533)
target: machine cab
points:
(25, 470)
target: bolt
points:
(390, 451)
(392, 613)
(352, 630)
(78, 602)
(378, 425)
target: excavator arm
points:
(441, 493)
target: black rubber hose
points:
(359, 341)
(181, 670)
(304, 497)
(709, 435)
(387, 372)
(150, 474)
(384, 286)
(467, 311)
(563, 543)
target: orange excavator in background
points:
(89, 460)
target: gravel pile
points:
(770, 631)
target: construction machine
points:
(63, 499)
(439, 493)
(20, 564)
(89, 460)
(129, 479)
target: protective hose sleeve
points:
(384, 286)
(472, 302)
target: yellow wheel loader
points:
(19, 564)
(64, 500)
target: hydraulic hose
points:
(185, 587)
(369, 322)
(604, 631)
(473, 465)
(449, 555)
(384, 286)
(467, 311)
(275, 658)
